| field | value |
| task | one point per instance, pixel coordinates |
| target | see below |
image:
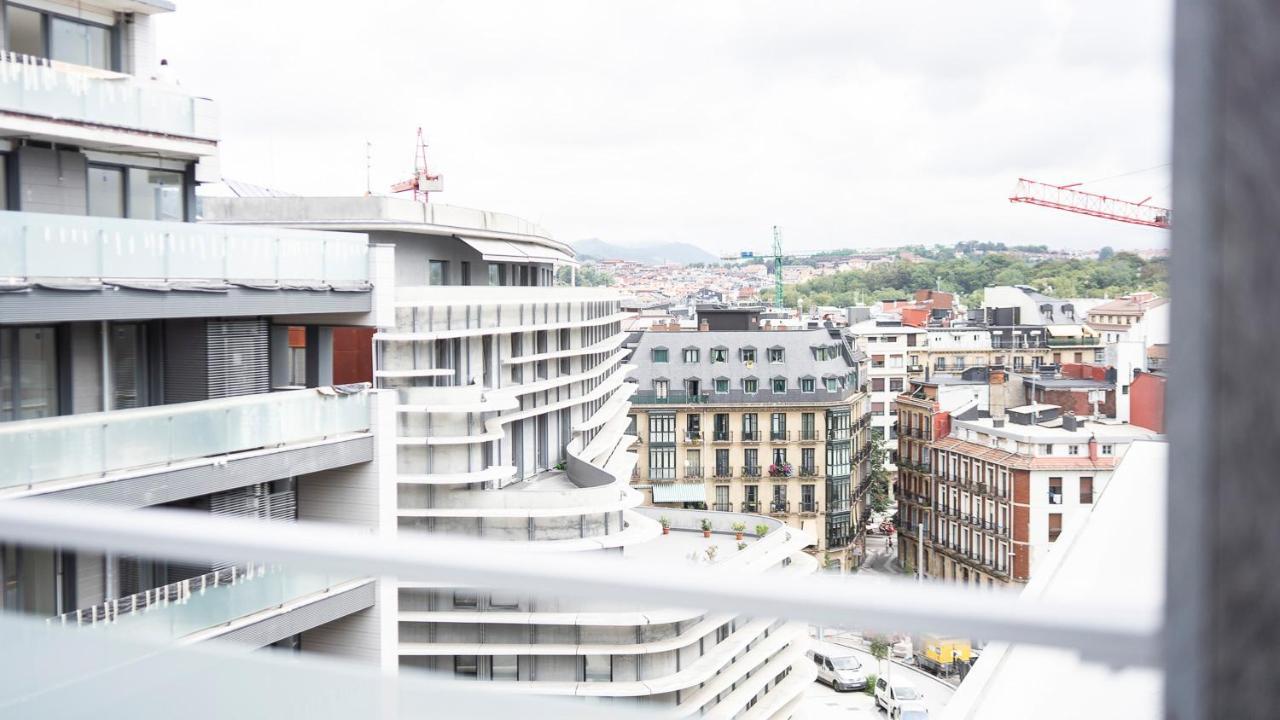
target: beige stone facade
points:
(805, 464)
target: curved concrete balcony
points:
(636, 529)
(612, 343)
(476, 399)
(663, 616)
(689, 636)
(516, 502)
(467, 332)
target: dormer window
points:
(719, 354)
(722, 385)
(748, 354)
(807, 384)
(658, 354)
(750, 385)
(779, 385)
(777, 355)
(691, 355)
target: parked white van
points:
(838, 667)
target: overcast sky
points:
(848, 123)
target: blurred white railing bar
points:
(1112, 633)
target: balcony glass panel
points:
(217, 606)
(113, 101)
(39, 245)
(36, 450)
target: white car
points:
(838, 667)
(897, 698)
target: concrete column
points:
(319, 356)
(1222, 602)
(279, 353)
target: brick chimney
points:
(1093, 447)
(995, 393)
(704, 326)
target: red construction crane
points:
(422, 181)
(1063, 197)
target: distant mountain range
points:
(595, 249)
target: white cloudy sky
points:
(847, 122)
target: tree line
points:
(965, 274)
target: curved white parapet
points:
(616, 405)
(685, 638)
(499, 329)
(625, 501)
(664, 616)
(611, 343)
(493, 473)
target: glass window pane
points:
(37, 373)
(155, 194)
(80, 43)
(106, 191)
(128, 366)
(25, 35)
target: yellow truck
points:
(939, 654)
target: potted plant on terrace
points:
(761, 529)
(666, 525)
(706, 528)
(780, 470)
(738, 529)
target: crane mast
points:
(777, 266)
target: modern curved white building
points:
(505, 418)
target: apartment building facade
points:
(511, 426)
(1002, 489)
(139, 351)
(1141, 317)
(757, 421)
(895, 352)
(924, 413)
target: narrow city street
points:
(881, 560)
(820, 701)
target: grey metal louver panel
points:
(240, 503)
(238, 362)
(282, 506)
